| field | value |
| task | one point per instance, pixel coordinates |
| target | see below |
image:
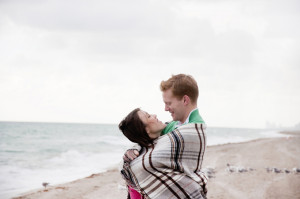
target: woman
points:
(168, 166)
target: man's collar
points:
(187, 119)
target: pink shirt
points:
(134, 194)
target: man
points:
(180, 95)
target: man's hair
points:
(135, 130)
(181, 85)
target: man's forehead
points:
(168, 94)
(167, 98)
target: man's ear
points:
(186, 100)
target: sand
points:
(282, 152)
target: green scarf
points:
(194, 118)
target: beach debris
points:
(209, 172)
(45, 184)
(92, 176)
(63, 188)
(296, 170)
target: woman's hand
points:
(130, 155)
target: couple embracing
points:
(166, 162)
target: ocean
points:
(33, 153)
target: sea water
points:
(33, 153)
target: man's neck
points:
(188, 112)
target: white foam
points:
(68, 166)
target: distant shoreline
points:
(42, 122)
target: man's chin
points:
(173, 117)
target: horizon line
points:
(52, 122)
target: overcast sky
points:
(94, 61)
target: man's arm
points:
(188, 151)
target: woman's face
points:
(153, 125)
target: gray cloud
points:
(106, 16)
(94, 61)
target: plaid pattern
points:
(171, 169)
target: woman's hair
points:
(181, 85)
(134, 129)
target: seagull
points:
(296, 170)
(250, 169)
(241, 170)
(209, 172)
(286, 170)
(268, 169)
(230, 168)
(45, 184)
(275, 170)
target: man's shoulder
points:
(191, 132)
(192, 126)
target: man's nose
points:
(166, 108)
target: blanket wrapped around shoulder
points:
(172, 167)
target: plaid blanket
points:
(172, 168)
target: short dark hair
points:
(134, 129)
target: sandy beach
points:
(281, 153)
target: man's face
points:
(174, 105)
